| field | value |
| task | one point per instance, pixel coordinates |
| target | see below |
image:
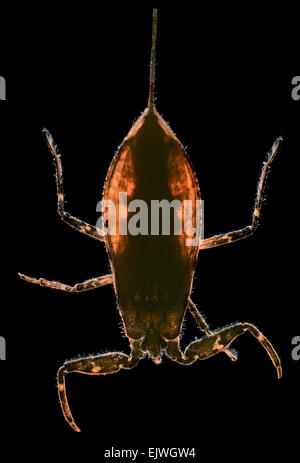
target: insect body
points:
(152, 274)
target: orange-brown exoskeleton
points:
(153, 274)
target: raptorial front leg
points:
(205, 328)
(80, 225)
(79, 287)
(213, 345)
(226, 238)
(96, 365)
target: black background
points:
(224, 85)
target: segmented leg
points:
(83, 227)
(212, 345)
(204, 326)
(98, 365)
(79, 287)
(219, 240)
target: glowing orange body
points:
(152, 274)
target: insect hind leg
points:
(225, 238)
(95, 365)
(74, 222)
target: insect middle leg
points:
(204, 326)
(213, 345)
(96, 365)
(78, 287)
(78, 224)
(219, 240)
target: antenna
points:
(152, 62)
